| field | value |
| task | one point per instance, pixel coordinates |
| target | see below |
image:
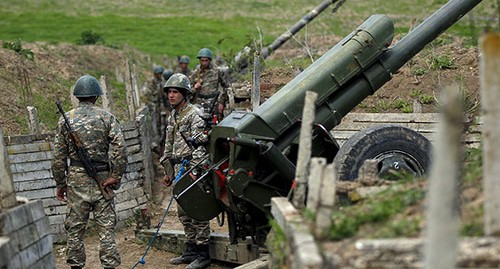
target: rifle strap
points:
(180, 118)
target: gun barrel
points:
(283, 38)
(373, 78)
(426, 32)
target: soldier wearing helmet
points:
(167, 74)
(101, 135)
(183, 123)
(156, 101)
(210, 82)
(183, 66)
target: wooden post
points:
(490, 94)
(33, 121)
(107, 99)
(317, 165)
(256, 81)
(135, 86)
(7, 191)
(130, 92)
(326, 201)
(304, 155)
(119, 75)
(417, 106)
(441, 245)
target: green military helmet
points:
(205, 53)
(179, 81)
(167, 74)
(158, 69)
(184, 59)
(87, 86)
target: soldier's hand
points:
(167, 181)
(220, 107)
(110, 181)
(61, 194)
(197, 85)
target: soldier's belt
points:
(99, 166)
(207, 96)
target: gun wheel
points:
(397, 149)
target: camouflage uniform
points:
(157, 103)
(213, 80)
(188, 122)
(186, 72)
(99, 132)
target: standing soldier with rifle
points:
(90, 158)
(210, 82)
(183, 124)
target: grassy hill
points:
(176, 27)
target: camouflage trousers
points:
(84, 197)
(197, 232)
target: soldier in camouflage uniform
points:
(101, 136)
(183, 123)
(209, 80)
(153, 90)
(182, 67)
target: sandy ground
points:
(131, 250)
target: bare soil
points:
(131, 249)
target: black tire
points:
(395, 147)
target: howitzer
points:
(261, 146)
(84, 157)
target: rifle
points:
(213, 106)
(198, 79)
(83, 155)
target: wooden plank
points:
(31, 147)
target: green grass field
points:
(176, 27)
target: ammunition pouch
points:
(99, 166)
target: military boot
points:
(203, 259)
(187, 257)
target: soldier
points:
(183, 66)
(167, 74)
(166, 106)
(210, 82)
(153, 91)
(101, 135)
(183, 123)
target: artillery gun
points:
(253, 154)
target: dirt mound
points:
(51, 74)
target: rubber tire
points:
(373, 141)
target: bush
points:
(90, 38)
(17, 46)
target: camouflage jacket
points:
(187, 72)
(153, 91)
(213, 80)
(187, 123)
(101, 135)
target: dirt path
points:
(131, 250)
